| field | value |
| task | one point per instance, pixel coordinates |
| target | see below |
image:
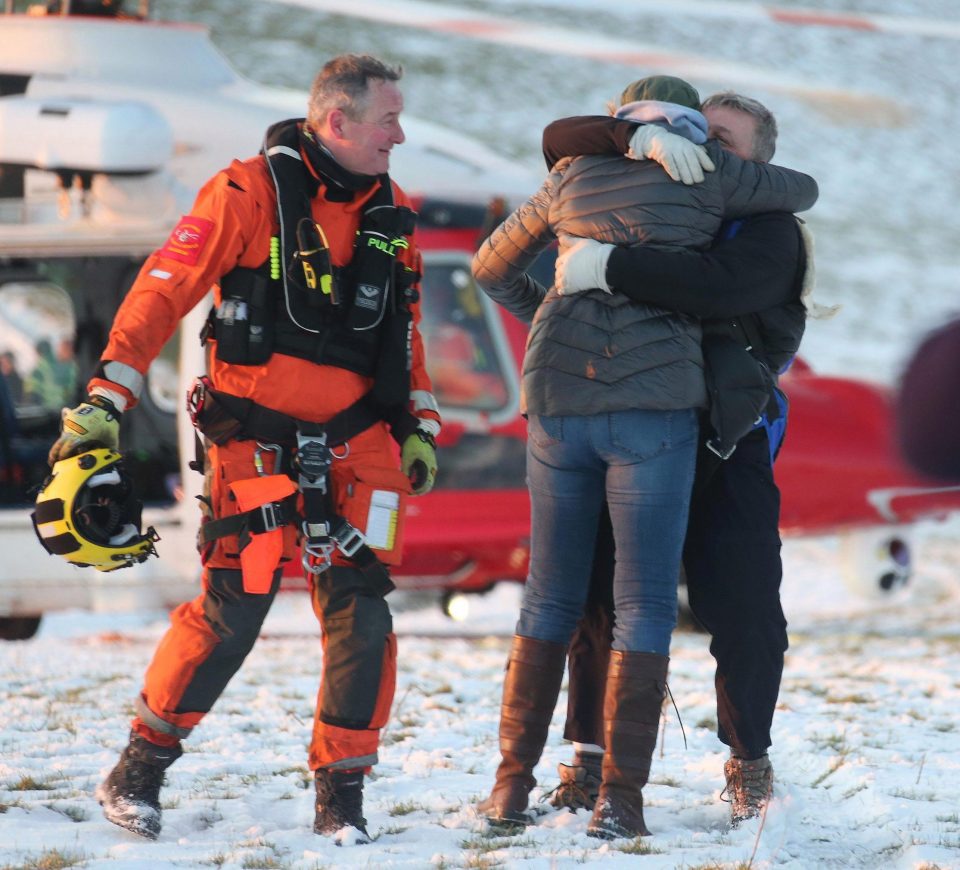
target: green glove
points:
(94, 423)
(418, 460)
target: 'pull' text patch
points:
(187, 240)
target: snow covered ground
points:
(866, 744)
(867, 750)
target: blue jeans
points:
(642, 463)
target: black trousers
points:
(733, 571)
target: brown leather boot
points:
(636, 684)
(530, 690)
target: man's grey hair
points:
(343, 84)
(765, 139)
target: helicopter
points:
(103, 145)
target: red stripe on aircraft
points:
(786, 17)
(473, 28)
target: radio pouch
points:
(243, 322)
(260, 552)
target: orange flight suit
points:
(232, 222)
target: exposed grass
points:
(912, 794)
(480, 862)
(835, 765)
(50, 859)
(852, 698)
(30, 783)
(638, 846)
(834, 742)
(716, 865)
(303, 775)
(208, 818)
(404, 808)
(262, 862)
(494, 841)
(669, 781)
(73, 812)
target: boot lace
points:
(577, 790)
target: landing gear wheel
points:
(876, 563)
(18, 627)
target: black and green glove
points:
(94, 423)
(418, 460)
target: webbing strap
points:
(261, 519)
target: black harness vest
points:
(363, 324)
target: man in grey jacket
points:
(612, 388)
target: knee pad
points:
(235, 616)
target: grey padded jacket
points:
(596, 352)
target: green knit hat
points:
(666, 89)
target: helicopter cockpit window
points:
(465, 352)
(39, 376)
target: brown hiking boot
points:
(749, 786)
(339, 807)
(130, 795)
(579, 783)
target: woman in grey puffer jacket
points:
(611, 388)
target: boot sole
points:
(508, 824)
(139, 819)
(618, 833)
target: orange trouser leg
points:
(359, 670)
(206, 643)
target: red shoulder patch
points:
(187, 240)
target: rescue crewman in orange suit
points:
(315, 367)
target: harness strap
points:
(262, 519)
(223, 417)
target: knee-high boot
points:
(530, 689)
(636, 684)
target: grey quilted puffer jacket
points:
(596, 352)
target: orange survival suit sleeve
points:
(214, 238)
(422, 401)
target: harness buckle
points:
(348, 539)
(271, 515)
(196, 400)
(713, 445)
(312, 461)
(277, 452)
(315, 531)
(317, 557)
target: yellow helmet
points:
(86, 512)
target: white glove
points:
(582, 265)
(682, 160)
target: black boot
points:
(340, 803)
(636, 685)
(130, 795)
(530, 689)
